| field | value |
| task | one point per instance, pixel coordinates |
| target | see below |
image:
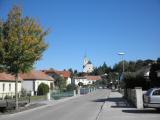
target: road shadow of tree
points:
(142, 111)
(119, 102)
(123, 103)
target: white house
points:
(77, 80)
(92, 79)
(86, 80)
(7, 85)
(33, 79)
(55, 74)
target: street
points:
(93, 106)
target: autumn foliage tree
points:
(21, 44)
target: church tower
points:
(87, 65)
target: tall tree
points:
(21, 44)
(155, 80)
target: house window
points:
(3, 87)
(10, 87)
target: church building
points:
(87, 65)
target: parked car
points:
(152, 98)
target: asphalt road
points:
(85, 107)
(93, 106)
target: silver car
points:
(152, 98)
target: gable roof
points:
(93, 77)
(65, 74)
(89, 77)
(7, 77)
(35, 75)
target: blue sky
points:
(98, 28)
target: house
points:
(86, 80)
(92, 79)
(33, 79)
(7, 85)
(77, 80)
(55, 74)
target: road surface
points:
(93, 106)
(84, 107)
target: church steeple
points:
(87, 65)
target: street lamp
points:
(122, 54)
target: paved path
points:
(116, 108)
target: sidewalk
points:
(117, 108)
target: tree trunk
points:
(16, 91)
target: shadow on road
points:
(119, 102)
(147, 111)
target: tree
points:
(71, 87)
(43, 89)
(155, 81)
(71, 71)
(131, 81)
(21, 44)
(60, 82)
(80, 84)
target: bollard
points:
(78, 91)
(74, 93)
(48, 96)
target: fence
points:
(56, 95)
(9, 95)
(86, 90)
(8, 100)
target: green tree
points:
(71, 87)
(43, 89)
(21, 44)
(60, 82)
(80, 84)
(155, 80)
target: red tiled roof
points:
(93, 77)
(65, 74)
(35, 75)
(7, 77)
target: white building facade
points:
(86, 80)
(33, 79)
(7, 85)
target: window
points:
(10, 87)
(3, 87)
(156, 92)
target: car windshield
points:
(148, 92)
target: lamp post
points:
(122, 54)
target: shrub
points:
(132, 81)
(80, 84)
(43, 89)
(8, 97)
(71, 87)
